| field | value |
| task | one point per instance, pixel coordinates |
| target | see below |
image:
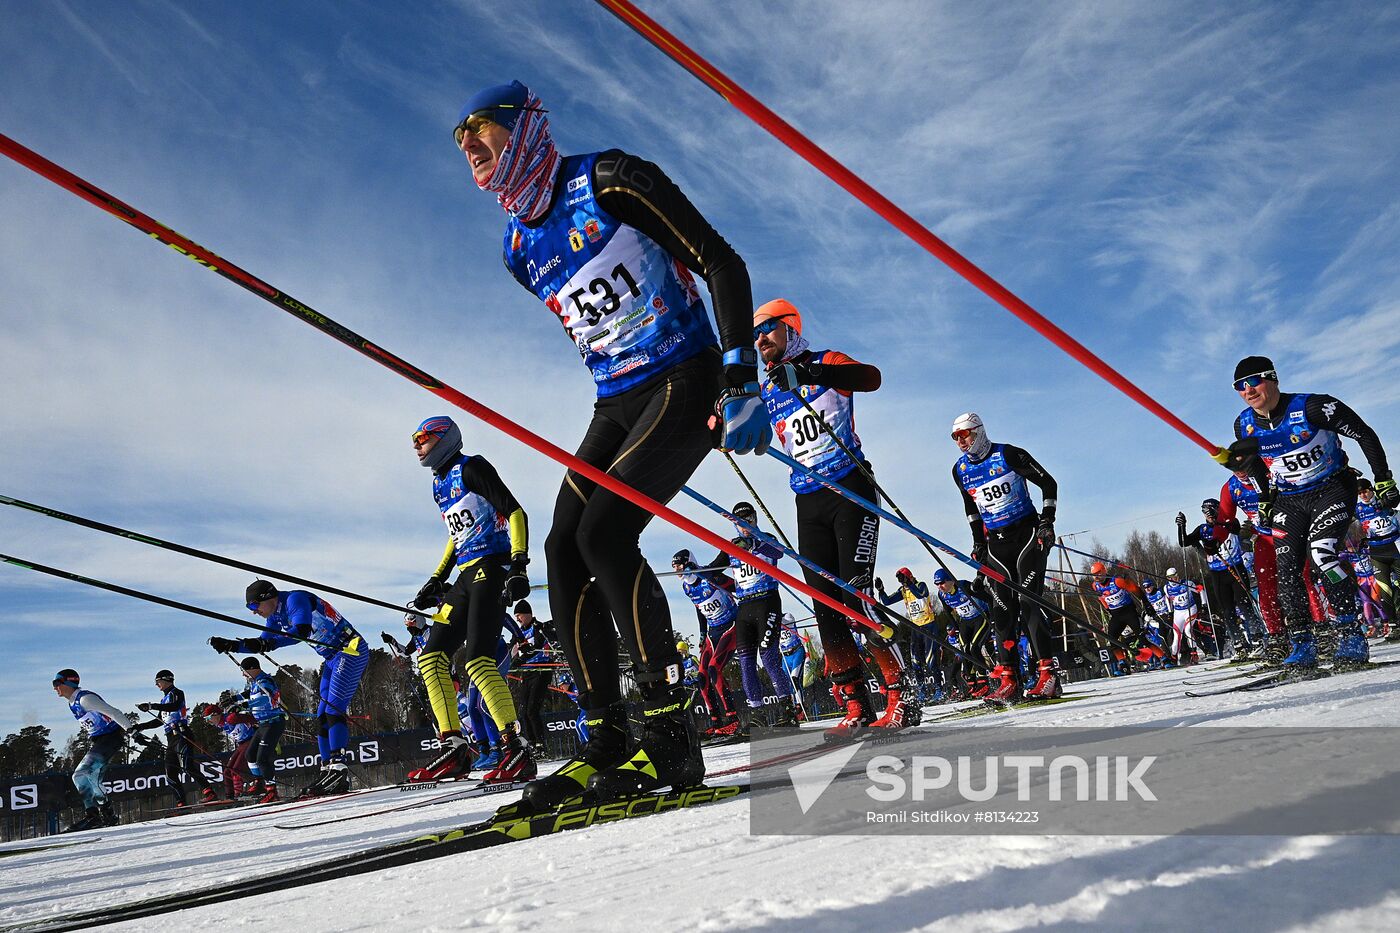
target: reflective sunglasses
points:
(477, 122)
(1250, 382)
(961, 435)
(253, 607)
(767, 327)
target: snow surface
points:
(702, 870)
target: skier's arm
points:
(92, 703)
(640, 195)
(480, 476)
(837, 371)
(1023, 463)
(1326, 411)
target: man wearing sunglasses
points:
(1312, 499)
(611, 246)
(810, 396)
(295, 616)
(172, 715)
(1009, 535)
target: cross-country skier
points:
(173, 716)
(921, 643)
(294, 615)
(1312, 498)
(104, 724)
(1185, 610)
(1219, 540)
(609, 244)
(530, 654)
(970, 629)
(1382, 532)
(239, 726)
(1124, 623)
(1158, 617)
(488, 545)
(719, 611)
(264, 702)
(804, 390)
(759, 621)
(1010, 536)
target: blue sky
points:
(1177, 185)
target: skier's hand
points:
(1045, 533)
(1387, 493)
(223, 645)
(979, 552)
(788, 376)
(144, 707)
(388, 639)
(744, 424)
(1181, 519)
(430, 594)
(880, 586)
(517, 583)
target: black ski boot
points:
(91, 819)
(785, 715)
(667, 755)
(608, 739)
(108, 815)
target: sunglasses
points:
(253, 607)
(962, 435)
(1251, 382)
(767, 327)
(476, 123)
(422, 437)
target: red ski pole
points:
(187, 247)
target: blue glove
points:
(746, 427)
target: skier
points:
(1312, 499)
(1116, 596)
(488, 543)
(239, 726)
(968, 631)
(1242, 491)
(1219, 540)
(794, 652)
(104, 724)
(832, 531)
(530, 654)
(264, 702)
(759, 620)
(718, 611)
(1010, 536)
(1185, 609)
(295, 615)
(919, 643)
(609, 244)
(1382, 532)
(179, 746)
(1158, 617)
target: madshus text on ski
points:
(613, 248)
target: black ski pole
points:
(159, 600)
(196, 552)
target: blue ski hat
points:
(506, 100)
(941, 576)
(449, 444)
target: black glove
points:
(788, 376)
(223, 645)
(1386, 491)
(979, 552)
(144, 707)
(880, 586)
(1181, 519)
(431, 594)
(388, 639)
(517, 583)
(141, 740)
(1045, 532)
(1266, 514)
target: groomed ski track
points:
(700, 869)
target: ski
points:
(1285, 677)
(287, 804)
(202, 806)
(25, 850)
(990, 710)
(486, 834)
(1252, 672)
(478, 790)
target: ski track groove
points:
(704, 867)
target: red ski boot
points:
(901, 708)
(517, 764)
(852, 699)
(1005, 689)
(1047, 682)
(270, 794)
(454, 762)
